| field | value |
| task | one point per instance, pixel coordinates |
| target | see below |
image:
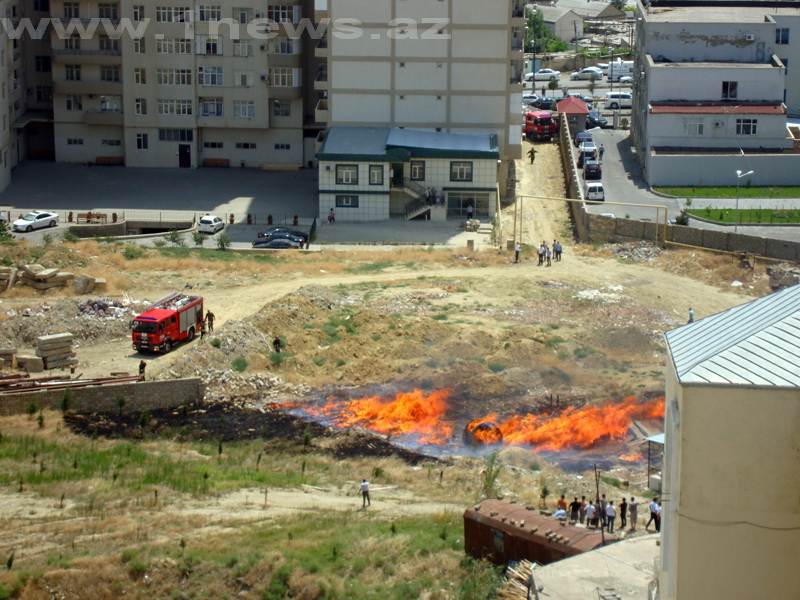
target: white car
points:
(529, 99)
(587, 73)
(603, 67)
(626, 79)
(543, 75)
(35, 220)
(210, 224)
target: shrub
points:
(239, 364)
(318, 360)
(132, 252)
(138, 567)
(276, 358)
(175, 238)
(198, 239)
(223, 241)
(159, 243)
(583, 352)
(496, 368)
(70, 237)
(216, 342)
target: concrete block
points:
(8, 350)
(54, 339)
(60, 364)
(55, 357)
(83, 284)
(31, 270)
(45, 274)
(32, 364)
(100, 284)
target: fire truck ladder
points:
(164, 301)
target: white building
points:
(710, 95)
(374, 173)
(564, 23)
(731, 522)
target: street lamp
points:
(739, 176)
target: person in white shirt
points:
(655, 516)
(365, 501)
(591, 511)
(633, 509)
(611, 515)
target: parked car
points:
(626, 79)
(615, 100)
(587, 73)
(278, 229)
(603, 67)
(281, 235)
(583, 136)
(543, 75)
(546, 103)
(210, 224)
(586, 151)
(529, 99)
(592, 170)
(589, 100)
(595, 119)
(593, 191)
(35, 220)
(276, 244)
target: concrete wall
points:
(719, 131)
(138, 396)
(720, 169)
(686, 82)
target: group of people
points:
(603, 513)
(546, 254)
(207, 325)
(432, 197)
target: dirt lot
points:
(504, 337)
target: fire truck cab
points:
(540, 125)
(170, 320)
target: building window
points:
(283, 76)
(245, 146)
(74, 141)
(281, 108)
(111, 104)
(209, 13)
(746, 126)
(376, 174)
(243, 48)
(283, 146)
(108, 11)
(139, 76)
(284, 14)
(209, 44)
(730, 90)
(140, 106)
(244, 108)
(243, 78)
(138, 12)
(175, 107)
(44, 93)
(782, 36)
(347, 174)
(72, 43)
(141, 141)
(460, 171)
(175, 135)
(212, 145)
(173, 47)
(171, 14)
(174, 77)
(109, 73)
(111, 142)
(72, 72)
(138, 45)
(692, 126)
(43, 64)
(41, 5)
(209, 75)
(211, 107)
(71, 10)
(109, 45)
(346, 201)
(417, 170)
(243, 15)
(73, 102)
(286, 46)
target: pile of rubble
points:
(472, 225)
(250, 390)
(102, 307)
(636, 251)
(783, 275)
(8, 358)
(36, 276)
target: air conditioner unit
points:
(750, 37)
(717, 123)
(258, 15)
(263, 46)
(263, 78)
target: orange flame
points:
(483, 432)
(413, 413)
(631, 457)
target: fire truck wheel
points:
(190, 334)
(167, 346)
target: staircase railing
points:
(415, 206)
(414, 187)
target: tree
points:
(5, 232)
(592, 83)
(223, 241)
(619, 4)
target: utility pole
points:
(597, 503)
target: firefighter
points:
(142, 367)
(532, 154)
(210, 320)
(202, 329)
(276, 343)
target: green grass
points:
(730, 192)
(583, 352)
(371, 267)
(496, 367)
(750, 215)
(214, 255)
(239, 364)
(612, 481)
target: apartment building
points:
(450, 66)
(711, 92)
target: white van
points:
(618, 68)
(615, 100)
(593, 191)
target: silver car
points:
(36, 219)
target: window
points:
(71, 10)
(281, 108)
(72, 43)
(782, 36)
(286, 46)
(140, 106)
(746, 126)
(72, 72)
(138, 12)
(243, 78)
(141, 141)
(460, 171)
(209, 13)
(174, 77)
(244, 108)
(73, 102)
(106, 43)
(109, 73)
(729, 90)
(243, 15)
(44, 93)
(376, 174)
(692, 126)
(212, 145)
(43, 64)
(284, 14)
(209, 75)
(417, 170)
(282, 76)
(175, 107)
(349, 201)
(140, 76)
(138, 46)
(108, 11)
(171, 14)
(111, 142)
(243, 47)
(41, 5)
(175, 135)
(211, 107)
(208, 44)
(347, 174)
(174, 46)
(111, 104)
(283, 146)
(74, 141)
(245, 146)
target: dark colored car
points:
(278, 229)
(592, 170)
(276, 244)
(589, 100)
(595, 119)
(280, 236)
(583, 136)
(545, 103)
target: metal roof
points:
(755, 344)
(355, 140)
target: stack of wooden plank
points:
(7, 277)
(56, 350)
(36, 276)
(8, 358)
(519, 583)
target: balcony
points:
(321, 49)
(518, 14)
(321, 81)
(92, 57)
(87, 87)
(321, 111)
(87, 21)
(96, 117)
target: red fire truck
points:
(540, 125)
(170, 320)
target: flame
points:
(631, 457)
(483, 432)
(578, 427)
(408, 413)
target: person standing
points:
(653, 514)
(276, 343)
(365, 501)
(574, 509)
(691, 315)
(470, 210)
(202, 329)
(591, 512)
(142, 367)
(548, 254)
(583, 510)
(516, 253)
(634, 508)
(331, 217)
(601, 504)
(562, 503)
(611, 515)
(602, 150)
(623, 514)
(541, 255)
(210, 320)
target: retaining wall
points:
(138, 396)
(89, 230)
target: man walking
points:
(591, 511)
(365, 501)
(516, 253)
(653, 515)
(532, 154)
(142, 367)
(574, 509)
(210, 320)
(611, 515)
(634, 508)
(602, 150)
(623, 510)
(691, 315)
(583, 510)
(541, 255)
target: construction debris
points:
(783, 275)
(519, 583)
(102, 307)
(7, 277)
(36, 276)
(472, 224)
(55, 350)
(8, 358)
(636, 251)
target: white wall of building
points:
(719, 131)
(720, 169)
(686, 82)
